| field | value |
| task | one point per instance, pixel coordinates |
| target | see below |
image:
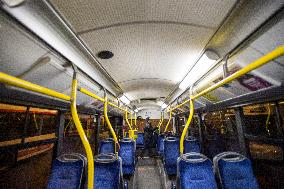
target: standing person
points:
(148, 138)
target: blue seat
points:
(195, 171)
(160, 145)
(191, 145)
(107, 146)
(171, 154)
(140, 140)
(66, 172)
(127, 154)
(234, 171)
(108, 172)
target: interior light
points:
(201, 67)
(124, 99)
(136, 110)
(163, 106)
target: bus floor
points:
(149, 173)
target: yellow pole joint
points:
(186, 125)
(82, 135)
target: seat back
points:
(234, 171)
(171, 154)
(106, 146)
(127, 154)
(191, 145)
(195, 171)
(108, 172)
(140, 140)
(160, 145)
(67, 172)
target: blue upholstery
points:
(140, 140)
(66, 174)
(107, 172)
(191, 145)
(106, 146)
(171, 154)
(127, 154)
(160, 145)
(237, 174)
(195, 171)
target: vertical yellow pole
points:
(82, 135)
(109, 125)
(131, 122)
(168, 122)
(126, 119)
(186, 125)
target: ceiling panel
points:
(164, 51)
(154, 40)
(90, 14)
(146, 88)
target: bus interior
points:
(131, 94)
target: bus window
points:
(220, 132)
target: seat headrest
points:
(126, 140)
(72, 157)
(108, 140)
(193, 157)
(105, 158)
(171, 139)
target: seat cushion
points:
(66, 175)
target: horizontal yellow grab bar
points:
(252, 66)
(86, 92)
(14, 81)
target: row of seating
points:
(69, 169)
(126, 152)
(232, 171)
(195, 170)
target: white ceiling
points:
(154, 42)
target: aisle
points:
(149, 174)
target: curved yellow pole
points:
(109, 125)
(126, 119)
(82, 135)
(168, 121)
(161, 122)
(181, 147)
(131, 122)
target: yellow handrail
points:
(161, 122)
(252, 66)
(168, 122)
(109, 125)
(126, 119)
(14, 81)
(131, 122)
(82, 135)
(181, 147)
(86, 92)
(135, 119)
